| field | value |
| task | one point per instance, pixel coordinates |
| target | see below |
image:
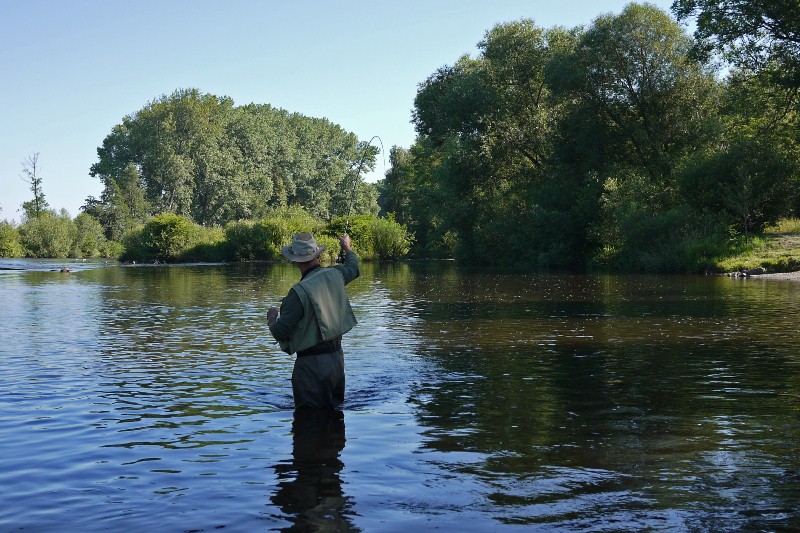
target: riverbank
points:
(795, 276)
(777, 251)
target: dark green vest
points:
(326, 310)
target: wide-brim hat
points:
(304, 248)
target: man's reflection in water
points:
(309, 487)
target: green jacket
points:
(326, 311)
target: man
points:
(313, 317)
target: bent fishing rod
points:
(356, 180)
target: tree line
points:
(627, 144)
(619, 145)
(200, 156)
(210, 172)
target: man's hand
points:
(344, 240)
(272, 315)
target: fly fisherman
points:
(313, 317)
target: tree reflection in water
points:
(309, 487)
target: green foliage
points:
(512, 142)
(610, 146)
(390, 240)
(482, 129)
(165, 237)
(90, 240)
(332, 248)
(56, 235)
(49, 235)
(172, 238)
(373, 238)
(113, 249)
(396, 188)
(10, 242)
(642, 231)
(199, 156)
(634, 74)
(264, 238)
(122, 205)
(748, 182)
(207, 245)
(360, 231)
(31, 169)
(249, 239)
(760, 36)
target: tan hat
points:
(304, 248)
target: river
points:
(151, 398)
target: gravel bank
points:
(779, 275)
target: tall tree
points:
(756, 154)
(32, 176)
(486, 126)
(755, 35)
(635, 72)
(200, 156)
(397, 186)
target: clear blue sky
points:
(71, 70)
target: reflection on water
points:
(154, 398)
(309, 486)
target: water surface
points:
(153, 398)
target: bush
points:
(10, 245)
(48, 235)
(359, 230)
(333, 247)
(246, 240)
(90, 239)
(112, 249)
(372, 238)
(208, 245)
(170, 238)
(263, 239)
(390, 240)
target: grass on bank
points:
(776, 250)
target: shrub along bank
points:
(174, 238)
(56, 235)
(169, 238)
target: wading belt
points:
(331, 346)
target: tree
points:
(32, 176)
(635, 73)
(756, 153)
(755, 35)
(10, 245)
(199, 156)
(750, 181)
(396, 187)
(50, 234)
(89, 239)
(485, 126)
(122, 205)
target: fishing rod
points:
(356, 180)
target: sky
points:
(71, 70)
